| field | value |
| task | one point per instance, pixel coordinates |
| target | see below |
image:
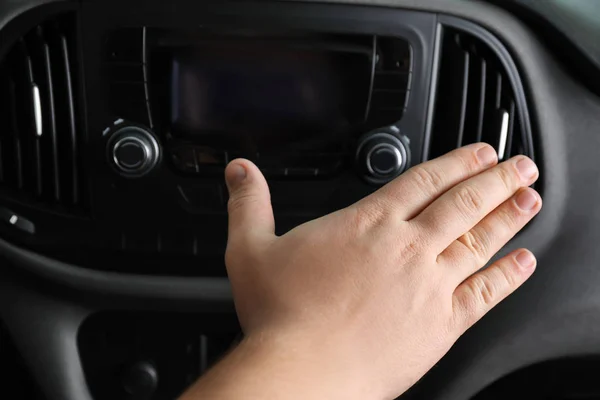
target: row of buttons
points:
(287, 196)
(198, 159)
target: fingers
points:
(422, 184)
(482, 291)
(250, 212)
(462, 207)
(475, 248)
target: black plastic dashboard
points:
(45, 301)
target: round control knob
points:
(382, 155)
(140, 380)
(133, 151)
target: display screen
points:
(259, 95)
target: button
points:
(130, 154)
(194, 158)
(124, 45)
(382, 155)
(133, 151)
(384, 159)
(140, 380)
(17, 221)
(301, 165)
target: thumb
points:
(250, 213)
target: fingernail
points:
(486, 155)
(526, 200)
(525, 259)
(527, 168)
(234, 175)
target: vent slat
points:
(498, 90)
(50, 115)
(463, 100)
(71, 127)
(15, 134)
(482, 113)
(33, 123)
(511, 129)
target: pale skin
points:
(361, 303)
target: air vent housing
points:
(40, 126)
(478, 98)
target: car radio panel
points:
(293, 102)
(327, 108)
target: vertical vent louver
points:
(475, 100)
(39, 129)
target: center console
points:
(328, 110)
(117, 119)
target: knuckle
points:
(366, 216)
(430, 179)
(478, 242)
(468, 199)
(507, 276)
(485, 288)
(470, 162)
(410, 251)
(507, 177)
(508, 216)
(240, 199)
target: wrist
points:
(289, 366)
(313, 366)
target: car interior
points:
(118, 117)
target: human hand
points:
(370, 297)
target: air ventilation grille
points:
(39, 119)
(476, 100)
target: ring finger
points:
(475, 248)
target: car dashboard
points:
(118, 118)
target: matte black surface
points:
(138, 356)
(557, 313)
